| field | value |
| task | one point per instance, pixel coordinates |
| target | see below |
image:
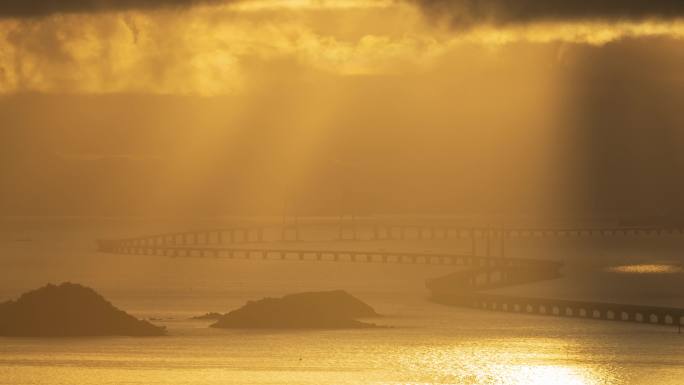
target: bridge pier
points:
(562, 308)
(473, 242)
(383, 233)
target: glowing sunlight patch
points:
(646, 269)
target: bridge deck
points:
(379, 231)
(322, 255)
(464, 288)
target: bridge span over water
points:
(470, 286)
(486, 238)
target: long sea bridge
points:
(480, 271)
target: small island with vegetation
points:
(69, 310)
(314, 310)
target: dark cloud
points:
(36, 8)
(465, 12)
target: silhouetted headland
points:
(315, 310)
(69, 310)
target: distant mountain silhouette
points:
(314, 310)
(69, 310)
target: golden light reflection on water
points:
(516, 361)
(457, 355)
(646, 269)
(545, 375)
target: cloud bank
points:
(37, 8)
(469, 12)
(463, 12)
(228, 47)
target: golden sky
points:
(409, 105)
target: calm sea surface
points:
(426, 344)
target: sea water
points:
(425, 343)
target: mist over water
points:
(427, 342)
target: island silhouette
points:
(208, 316)
(335, 309)
(69, 310)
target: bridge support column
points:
(473, 240)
